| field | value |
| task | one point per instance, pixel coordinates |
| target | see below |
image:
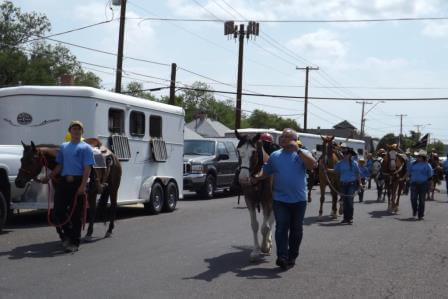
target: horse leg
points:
(112, 211)
(266, 227)
(255, 254)
(91, 215)
(322, 197)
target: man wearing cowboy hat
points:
(75, 159)
(420, 172)
(349, 180)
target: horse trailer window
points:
(116, 121)
(360, 151)
(155, 126)
(137, 123)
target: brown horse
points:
(394, 171)
(330, 156)
(104, 181)
(256, 194)
(437, 177)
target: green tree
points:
(261, 119)
(136, 89)
(38, 63)
(436, 146)
(389, 138)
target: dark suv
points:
(209, 165)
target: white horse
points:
(256, 194)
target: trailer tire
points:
(171, 197)
(3, 211)
(156, 199)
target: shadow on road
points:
(193, 196)
(374, 201)
(409, 219)
(236, 262)
(379, 214)
(39, 250)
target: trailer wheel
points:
(171, 197)
(156, 199)
(3, 211)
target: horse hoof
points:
(108, 235)
(254, 256)
(88, 238)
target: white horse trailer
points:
(146, 136)
(312, 142)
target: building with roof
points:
(207, 127)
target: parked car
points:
(209, 165)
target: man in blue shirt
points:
(445, 171)
(288, 166)
(75, 159)
(420, 172)
(349, 181)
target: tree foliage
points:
(408, 141)
(38, 63)
(261, 119)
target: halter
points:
(41, 158)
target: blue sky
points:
(362, 60)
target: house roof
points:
(207, 127)
(344, 125)
(190, 134)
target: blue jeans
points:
(348, 190)
(288, 228)
(418, 195)
(446, 179)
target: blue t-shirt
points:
(420, 172)
(73, 157)
(347, 174)
(289, 173)
(369, 165)
(445, 166)
(364, 172)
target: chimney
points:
(66, 79)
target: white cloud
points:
(320, 45)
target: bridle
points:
(43, 161)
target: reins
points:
(331, 185)
(44, 162)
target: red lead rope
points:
(74, 202)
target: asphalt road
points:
(201, 250)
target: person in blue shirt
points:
(349, 181)
(445, 171)
(420, 172)
(365, 174)
(369, 168)
(75, 159)
(288, 166)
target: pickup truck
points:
(209, 165)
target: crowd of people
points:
(288, 166)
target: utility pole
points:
(362, 115)
(120, 44)
(305, 114)
(420, 126)
(173, 84)
(253, 29)
(401, 127)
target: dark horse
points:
(330, 156)
(394, 171)
(256, 194)
(103, 181)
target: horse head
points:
(250, 157)
(329, 148)
(392, 157)
(31, 165)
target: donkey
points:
(102, 181)
(252, 156)
(394, 170)
(329, 158)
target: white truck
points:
(146, 136)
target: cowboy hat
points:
(348, 149)
(422, 153)
(76, 123)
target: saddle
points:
(102, 162)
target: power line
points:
(299, 20)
